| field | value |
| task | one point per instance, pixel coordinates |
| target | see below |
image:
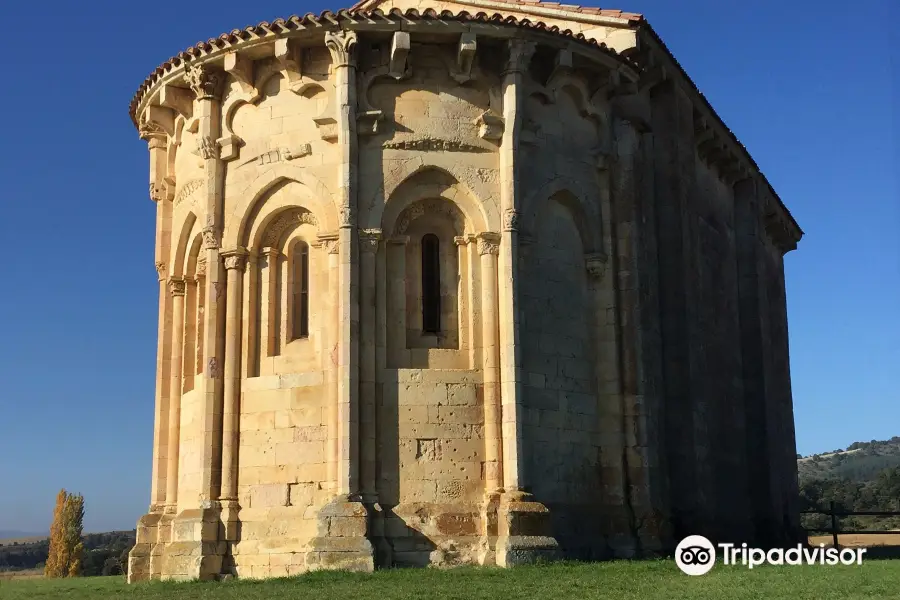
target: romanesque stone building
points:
(468, 282)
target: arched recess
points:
(573, 196)
(274, 213)
(424, 182)
(244, 200)
(187, 228)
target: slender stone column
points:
(342, 46)
(330, 246)
(176, 288)
(207, 83)
(269, 317)
(520, 53)
(369, 242)
(235, 261)
(488, 248)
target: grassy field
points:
(650, 580)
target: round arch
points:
(187, 228)
(587, 217)
(318, 200)
(423, 182)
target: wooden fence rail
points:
(835, 514)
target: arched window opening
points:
(431, 284)
(300, 292)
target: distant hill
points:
(859, 462)
(9, 534)
(104, 553)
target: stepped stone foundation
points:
(475, 282)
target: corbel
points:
(288, 56)
(399, 54)
(465, 57)
(490, 125)
(181, 100)
(241, 68)
(562, 64)
(229, 147)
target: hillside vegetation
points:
(104, 553)
(859, 462)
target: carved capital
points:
(200, 270)
(520, 53)
(595, 265)
(488, 243)
(176, 286)
(369, 239)
(206, 82)
(460, 240)
(152, 133)
(329, 243)
(342, 46)
(235, 259)
(511, 218)
(207, 147)
(345, 217)
(161, 270)
(210, 238)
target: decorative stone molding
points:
(399, 52)
(187, 189)
(235, 259)
(342, 46)
(433, 145)
(206, 82)
(283, 154)
(519, 57)
(488, 243)
(490, 125)
(161, 270)
(511, 219)
(176, 286)
(369, 240)
(413, 212)
(595, 264)
(210, 238)
(288, 218)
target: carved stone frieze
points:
(285, 220)
(420, 209)
(433, 145)
(187, 190)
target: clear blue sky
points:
(806, 85)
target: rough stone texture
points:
(610, 372)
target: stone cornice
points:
(213, 52)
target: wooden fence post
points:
(834, 526)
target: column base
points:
(140, 563)
(524, 531)
(195, 551)
(342, 543)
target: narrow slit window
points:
(300, 292)
(431, 284)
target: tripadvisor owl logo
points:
(695, 555)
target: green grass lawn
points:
(645, 580)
